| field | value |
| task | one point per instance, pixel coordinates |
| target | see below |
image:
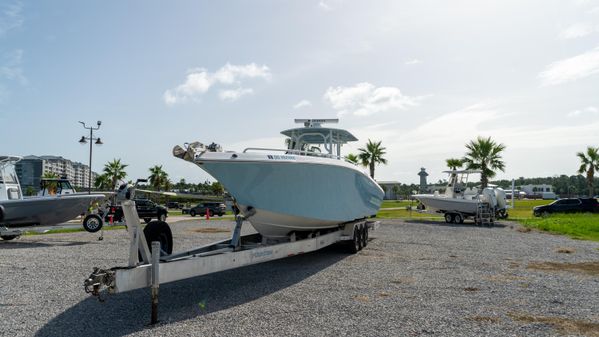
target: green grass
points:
(577, 226)
(397, 203)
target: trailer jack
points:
(99, 277)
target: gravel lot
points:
(414, 278)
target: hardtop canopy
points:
(317, 135)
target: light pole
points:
(83, 141)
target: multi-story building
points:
(31, 168)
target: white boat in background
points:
(306, 187)
(460, 201)
(48, 210)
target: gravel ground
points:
(414, 278)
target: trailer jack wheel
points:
(159, 231)
(92, 223)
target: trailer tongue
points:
(150, 268)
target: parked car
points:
(212, 208)
(146, 210)
(568, 205)
(173, 204)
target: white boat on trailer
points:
(460, 202)
(305, 187)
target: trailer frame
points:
(156, 267)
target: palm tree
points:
(454, 163)
(589, 164)
(352, 158)
(51, 186)
(158, 178)
(372, 155)
(115, 171)
(484, 154)
(102, 181)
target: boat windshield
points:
(7, 174)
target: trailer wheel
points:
(9, 237)
(458, 218)
(159, 231)
(355, 244)
(92, 223)
(364, 236)
(449, 217)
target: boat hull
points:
(295, 194)
(46, 211)
(442, 204)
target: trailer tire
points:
(364, 235)
(458, 218)
(159, 231)
(9, 237)
(354, 245)
(449, 217)
(92, 223)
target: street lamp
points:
(91, 139)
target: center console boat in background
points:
(46, 210)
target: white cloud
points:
(198, 81)
(10, 16)
(10, 68)
(329, 5)
(302, 104)
(413, 61)
(230, 73)
(588, 110)
(571, 69)
(577, 30)
(234, 94)
(365, 99)
(431, 141)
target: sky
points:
(423, 77)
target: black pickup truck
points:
(146, 210)
(568, 205)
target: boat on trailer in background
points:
(17, 211)
(460, 202)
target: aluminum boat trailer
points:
(158, 266)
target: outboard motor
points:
(501, 198)
(489, 196)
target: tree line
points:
(158, 180)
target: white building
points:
(32, 168)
